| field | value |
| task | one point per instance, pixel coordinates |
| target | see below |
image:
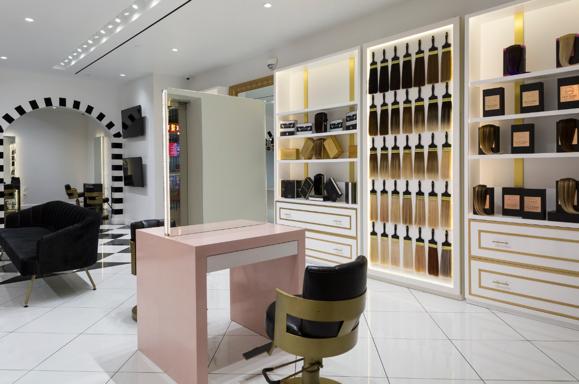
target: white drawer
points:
(330, 248)
(332, 220)
(530, 289)
(536, 245)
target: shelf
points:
(312, 202)
(518, 220)
(544, 74)
(314, 135)
(317, 109)
(533, 115)
(507, 156)
(321, 161)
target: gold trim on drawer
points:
(481, 231)
(525, 225)
(480, 272)
(330, 253)
(557, 271)
(331, 234)
(318, 213)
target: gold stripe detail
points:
(306, 115)
(519, 164)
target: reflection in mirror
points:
(214, 168)
(266, 95)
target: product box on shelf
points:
(289, 154)
(493, 102)
(523, 138)
(568, 92)
(512, 201)
(333, 147)
(531, 97)
(534, 204)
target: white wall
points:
(408, 15)
(54, 147)
(147, 202)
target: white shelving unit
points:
(513, 263)
(448, 286)
(329, 84)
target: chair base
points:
(300, 380)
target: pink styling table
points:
(172, 285)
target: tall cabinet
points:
(516, 259)
(327, 87)
(411, 156)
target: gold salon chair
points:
(73, 194)
(321, 323)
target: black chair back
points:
(340, 282)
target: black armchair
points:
(49, 238)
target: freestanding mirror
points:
(214, 168)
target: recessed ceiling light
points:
(127, 13)
(84, 46)
(70, 57)
(29, 19)
(267, 5)
(90, 41)
(103, 31)
(74, 54)
(122, 75)
(3, 58)
(135, 6)
(79, 50)
(110, 26)
(175, 49)
(61, 63)
(118, 20)
(96, 36)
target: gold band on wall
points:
(352, 138)
(519, 164)
(306, 115)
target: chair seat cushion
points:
(293, 324)
(20, 244)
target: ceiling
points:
(207, 33)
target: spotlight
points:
(175, 50)
(3, 58)
(135, 6)
(29, 19)
(267, 5)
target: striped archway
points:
(117, 190)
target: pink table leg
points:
(172, 302)
(252, 287)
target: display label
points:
(521, 139)
(492, 103)
(531, 98)
(569, 93)
(532, 204)
(512, 202)
(488, 202)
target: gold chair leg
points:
(29, 291)
(91, 280)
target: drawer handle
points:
(503, 283)
(287, 215)
(338, 222)
(338, 250)
(500, 242)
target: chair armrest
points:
(69, 248)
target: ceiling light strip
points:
(132, 37)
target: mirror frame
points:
(250, 85)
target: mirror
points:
(213, 163)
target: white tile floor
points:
(73, 335)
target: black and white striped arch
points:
(116, 144)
